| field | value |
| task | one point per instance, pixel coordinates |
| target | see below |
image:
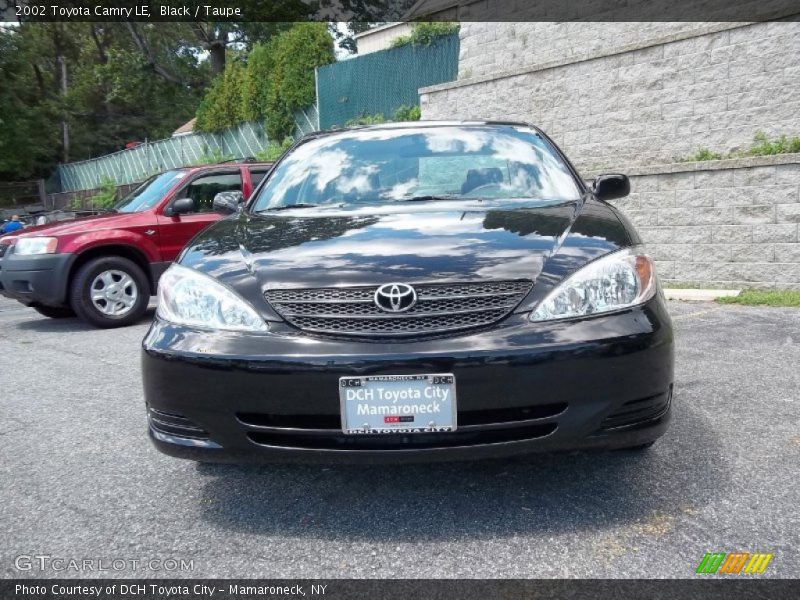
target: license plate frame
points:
(375, 422)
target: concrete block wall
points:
(640, 98)
(731, 223)
(655, 95)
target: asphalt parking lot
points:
(80, 479)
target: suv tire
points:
(55, 312)
(109, 291)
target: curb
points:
(698, 295)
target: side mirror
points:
(179, 207)
(227, 203)
(611, 186)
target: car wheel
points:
(110, 292)
(55, 312)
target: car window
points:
(203, 189)
(149, 193)
(389, 165)
(256, 175)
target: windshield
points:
(381, 166)
(149, 193)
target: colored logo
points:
(395, 297)
(734, 563)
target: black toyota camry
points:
(412, 292)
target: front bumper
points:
(37, 279)
(601, 382)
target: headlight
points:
(187, 297)
(619, 280)
(35, 245)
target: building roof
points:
(187, 127)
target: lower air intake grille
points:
(637, 411)
(174, 424)
(439, 308)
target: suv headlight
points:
(26, 246)
(619, 280)
(187, 297)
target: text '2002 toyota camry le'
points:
(422, 291)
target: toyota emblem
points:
(395, 297)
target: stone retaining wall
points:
(730, 223)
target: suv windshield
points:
(381, 166)
(149, 193)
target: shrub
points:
(104, 199)
(275, 150)
(424, 34)
(403, 113)
(762, 146)
(212, 158)
(407, 113)
(366, 119)
(782, 145)
(704, 154)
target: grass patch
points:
(764, 298)
(762, 146)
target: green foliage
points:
(212, 158)
(114, 94)
(222, 106)
(762, 146)
(257, 83)
(403, 113)
(424, 34)
(277, 80)
(296, 53)
(366, 119)
(275, 150)
(782, 145)
(105, 198)
(703, 154)
(407, 113)
(764, 298)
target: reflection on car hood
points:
(429, 242)
(93, 223)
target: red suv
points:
(105, 268)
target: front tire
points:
(55, 312)
(110, 291)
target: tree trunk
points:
(216, 56)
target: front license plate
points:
(398, 403)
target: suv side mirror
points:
(227, 203)
(179, 207)
(611, 186)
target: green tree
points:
(277, 81)
(296, 54)
(85, 89)
(222, 106)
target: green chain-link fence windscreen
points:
(380, 82)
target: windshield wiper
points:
(287, 207)
(432, 198)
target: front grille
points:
(440, 308)
(485, 426)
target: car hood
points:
(435, 242)
(79, 225)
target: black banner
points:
(396, 10)
(402, 589)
